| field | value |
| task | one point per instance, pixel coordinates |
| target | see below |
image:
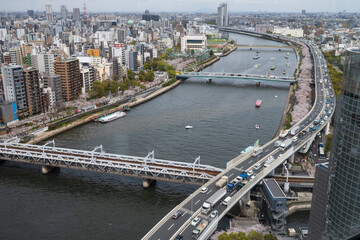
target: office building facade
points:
(343, 209)
(49, 13)
(318, 202)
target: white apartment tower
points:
(49, 12)
(222, 16)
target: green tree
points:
(171, 73)
(270, 236)
(147, 66)
(98, 89)
(149, 76)
(192, 51)
(328, 143)
(114, 86)
(211, 53)
(130, 74)
(255, 235)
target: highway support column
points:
(47, 169)
(147, 182)
(327, 129)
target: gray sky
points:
(187, 5)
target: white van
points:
(225, 202)
(257, 166)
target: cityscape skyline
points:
(207, 6)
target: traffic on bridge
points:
(198, 215)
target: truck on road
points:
(268, 161)
(232, 185)
(223, 180)
(199, 229)
(295, 130)
(213, 200)
(256, 151)
(285, 144)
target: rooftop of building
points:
(274, 188)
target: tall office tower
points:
(30, 13)
(33, 90)
(343, 211)
(63, 12)
(76, 14)
(222, 16)
(121, 35)
(14, 86)
(49, 12)
(71, 80)
(133, 62)
(318, 202)
(303, 12)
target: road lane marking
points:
(209, 191)
(231, 174)
(185, 213)
(171, 226)
(267, 150)
(197, 202)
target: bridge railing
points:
(92, 154)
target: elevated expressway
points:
(169, 228)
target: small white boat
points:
(276, 96)
(188, 127)
(112, 117)
(257, 126)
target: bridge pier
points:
(291, 158)
(327, 129)
(47, 169)
(147, 182)
(257, 84)
(209, 80)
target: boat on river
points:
(112, 117)
(258, 103)
(188, 127)
(273, 68)
(256, 57)
(257, 126)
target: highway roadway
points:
(169, 228)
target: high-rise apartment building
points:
(76, 14)
(222, 15)
(16, 56)
(30, 13)
(33, 90)
(44, 62)
(64, 12)
(343, 209)
(49, 12)
(88, 77)
(14, 86)
(71, 81)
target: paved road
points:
(191, 207)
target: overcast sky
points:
(186, 5)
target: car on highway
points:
(294, 138)
(257, 166)
(322, 122)
(214, 213)
(196, 221)
(250, 173)
(204, 190)
(252, 177)
(178, 237)
(176, 215)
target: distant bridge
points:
(253, 77)
(266, 46)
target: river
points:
(73, 204)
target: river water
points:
(74, 204)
